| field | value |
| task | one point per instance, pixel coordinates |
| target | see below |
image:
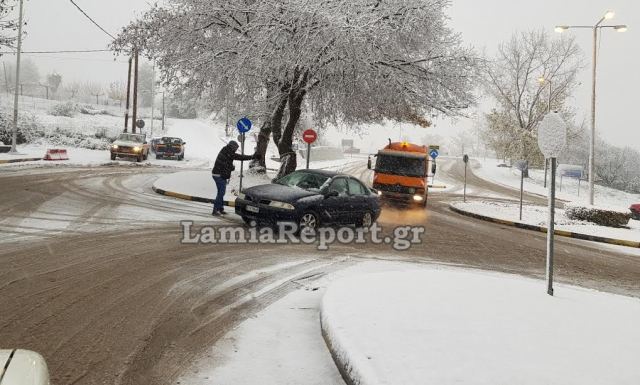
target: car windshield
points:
(305, 180)
(172, 140)
(131, 138)
(400, 165)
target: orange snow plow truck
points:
(401, 171)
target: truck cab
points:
(400, 173)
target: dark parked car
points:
(310, 198)
(168, 147)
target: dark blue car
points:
(310, 198)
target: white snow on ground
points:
(566, 190)
(281, 345)
(445, 326)
(537, 215)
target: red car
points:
(635, 211)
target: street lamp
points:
(592, 147)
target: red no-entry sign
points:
(309, 136)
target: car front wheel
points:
(309, 220)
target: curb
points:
(188, 197)
(5, 161)
(344, 368)
(562, 233)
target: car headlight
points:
(281, 205)
(418, 198)
(241, 196)
(412, 190)
(136, 149)
(115, 146)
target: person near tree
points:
(221, 172)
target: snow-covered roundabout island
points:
(454, 326)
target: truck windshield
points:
(400, 165)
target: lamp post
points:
(592, 147)
(543, 80)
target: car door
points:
(357, 200)
(335, 208)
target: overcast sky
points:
(58, 25)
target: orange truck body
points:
(401, 173)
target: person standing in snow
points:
(221, 172)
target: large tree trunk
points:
(288, 158)
(275, 105)
(260, 165)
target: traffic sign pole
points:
(465, 159)
(552, 139)
(309, 136)
(242, 161)
(243, 126)
(551, 226)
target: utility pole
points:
(126, 112)
(163, 111)
(135, 92)
(153, 93)
(6, 79)
(14, 138)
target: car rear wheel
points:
(309, 220)
(366, 221)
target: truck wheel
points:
(146, 156)
(158, 156)
(113, 156)
(139, 158)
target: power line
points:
(57, 51)
(93, 21)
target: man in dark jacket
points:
(222, 172)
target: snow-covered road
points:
(95, 278)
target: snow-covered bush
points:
(604, 216)
(29, 128)
(67, 109)
(68, 138)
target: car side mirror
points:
(369, 163)
(145, 142)
(330, 194)
(183, 143)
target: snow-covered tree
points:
(344, 60)
(513, 77)
(117, 91)
(8, 25)
(54, 80)
(72, 89)
(93, 89)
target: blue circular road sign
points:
(244, 125)
(433, 153)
